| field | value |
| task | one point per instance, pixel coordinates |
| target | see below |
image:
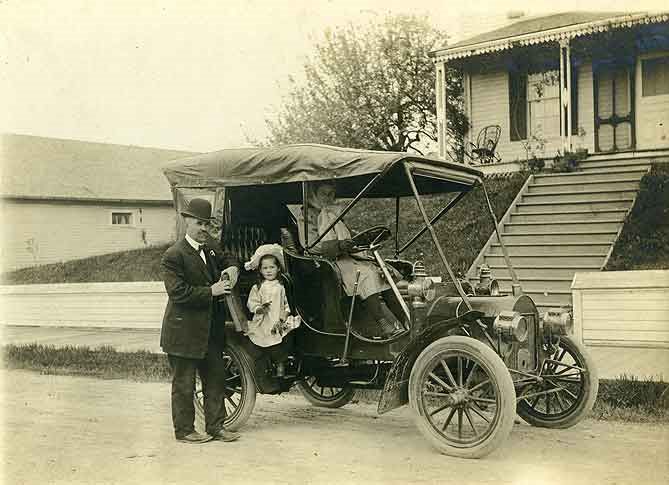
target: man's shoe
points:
(225, 435)
(195, 438)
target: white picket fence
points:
(622, 317)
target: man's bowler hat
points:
(199, 209)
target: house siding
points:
(489, 105)
(36, 233)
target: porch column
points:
(442, 99)
(565, 94)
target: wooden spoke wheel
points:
(327, 397)
(463, 397)
(240, 392)
(567, 390)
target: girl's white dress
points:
(266, 329)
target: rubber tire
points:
(248, 384)
(341, 399)
(584, 407)
(497, 371)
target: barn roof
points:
(546, 28)
(34, 167)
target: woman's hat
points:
(199, 209)
(264, 250)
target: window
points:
(121, 219)
(655, 76)
(517, 106)
(544, 104)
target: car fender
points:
(395, 390)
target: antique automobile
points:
(467, 359)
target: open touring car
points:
(467, 358)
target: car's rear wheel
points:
(567, 390)
(463, 397)
(240, 389)
(325, 396)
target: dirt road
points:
(67, 430)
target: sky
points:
(195, 75)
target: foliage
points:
(569, 161)
(536, 164)
(135, 265)
(462, 232)
(103, 361)
(370, 87)
(644, 240)
(533, 146)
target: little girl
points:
(268, 302)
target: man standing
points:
(192, 332)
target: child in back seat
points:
(267, 301)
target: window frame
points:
(132, 218)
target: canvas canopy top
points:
(290, 165)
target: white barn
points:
(66, 199)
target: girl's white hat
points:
(274, 249)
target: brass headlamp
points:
(511, 325)
(558, 320)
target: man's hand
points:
(221, 288)
(233, 275)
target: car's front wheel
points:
(463, 397)
(240, 392)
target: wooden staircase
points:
(561, 224)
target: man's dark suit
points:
(192, 333)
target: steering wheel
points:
(370, 238)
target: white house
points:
(555, 83)
(68, 199)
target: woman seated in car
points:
(373, 291)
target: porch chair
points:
(486, 144)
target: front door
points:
(614, 108)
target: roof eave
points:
(551, 35)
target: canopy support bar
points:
(305, 202)
(434, 220)
(515, 285)
(428, 225)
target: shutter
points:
(517, 106)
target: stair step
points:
(586, 165)
(594, 175)
(549, 248)
(583, 186)
(576, 226)
(604, 203)
(616, 215)
(542, 271)
(564, 238)
(546, 286)
(571, 196)
(555, 299)
(587, 259)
